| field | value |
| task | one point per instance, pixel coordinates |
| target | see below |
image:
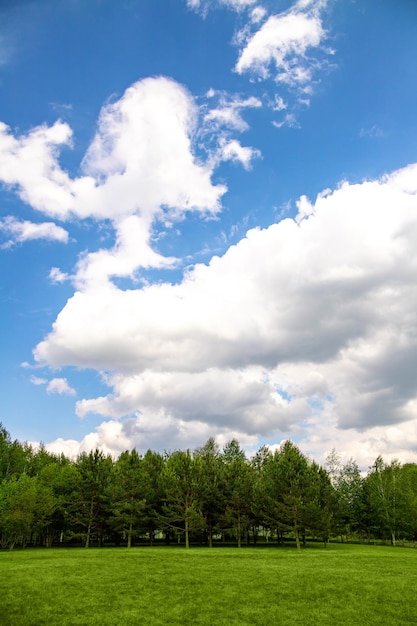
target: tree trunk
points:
(187, 538)
(297, 535)
(90, 521)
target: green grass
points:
(343, 584)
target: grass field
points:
(343, 584)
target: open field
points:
(343, 584)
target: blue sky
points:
(208, 224)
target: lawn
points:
(342, 584)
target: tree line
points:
(205, 496)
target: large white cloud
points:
(140, 160)
(140, 167)
(311, 320)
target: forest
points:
(209, 496)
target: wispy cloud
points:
(279, 49)
(21, 231)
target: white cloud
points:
(60, 386)
(234, 151)
(139, 161)
(279, 104)
(29, 164)
(139, 168)
(57, 276)
(204, 5)
(21, 231)
(258, 14)
(143, 154)
(282, 42)
(228, 111)
(308, 322)
(114, 437)
(35, 380)
(56, 385)
(289, 120)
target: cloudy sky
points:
(208, 224)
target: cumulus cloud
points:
(311, 320)
(139, 168)
(60, 386)
(139, 161)
(56, 385)
(20, 231)
(114, 437)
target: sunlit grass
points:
(343, 584)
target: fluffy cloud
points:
(139, 161)
(139, 168)
(283, 41)
(20, 231)
(57, 276)
(60, 386)
(114, 437)
(30, 164)
(310, 321)
(56, 385)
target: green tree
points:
(13, 456)
(17, 510)
(210, 485)
(239, 484)
(389, 498)
(352, 500)
(88, 509)
(321, 506)
(288, 485)
(181, 510)
(61, 476)
(153, 464)
(126, 493)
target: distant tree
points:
(288, 485)
(261, 497)
(210, 485)
(13, 456)
(409, 488)
(61, 478)
(181, 510)
(17, 510)
(352, 500)
(239, 485)
(153, 464)
(88, 508)
(389, 498)
(321, 505)
(126, 493)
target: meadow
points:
(341, 584)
